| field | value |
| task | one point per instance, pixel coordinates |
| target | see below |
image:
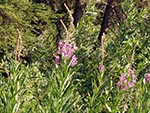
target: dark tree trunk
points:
(106, 17)
(78, 11)
(79, 8)
(58, 7)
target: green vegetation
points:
(50, 65)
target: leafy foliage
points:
(36, 84)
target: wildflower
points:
(57, 59)
(122, 81)
(101, 67)
(127, 80)
(130, 71)
(131, 83)
(66, 50)
(122, 77)
(133, 77)
(147, 77)
(74, 60)
(123, 87)
(75, 47)
(61, 43)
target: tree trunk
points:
(106, 17)
(78, 11)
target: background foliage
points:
(32, 82)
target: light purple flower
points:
(130, 71)
(126, 80)
(66, 50)
(74, 61)
(122, 77)
(123, 87)
(101, 67)
(57, 59)
(75, 47)
(133, 77)
(131, 83)
(61, 43)
(147, 77)
(118, 84)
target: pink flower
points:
(118, 84)
(61, 43)
(123, 87)
(122, 77)
(147, 77)
(130, 71)
(101, 67)
(57, 59)
(66, 50)
(74, 61)
(126, 80)
(75, 47)
(131, 83)
(133, 77)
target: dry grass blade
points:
(18, 47)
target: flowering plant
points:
(66, 51)
(126, 80)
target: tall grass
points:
(90, 86)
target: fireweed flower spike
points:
(126, 80)
(122, 82)
(67, 51)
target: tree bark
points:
(106, 17)
(78, 11)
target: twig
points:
(70, 16)
(66, 30)
(71, 28)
